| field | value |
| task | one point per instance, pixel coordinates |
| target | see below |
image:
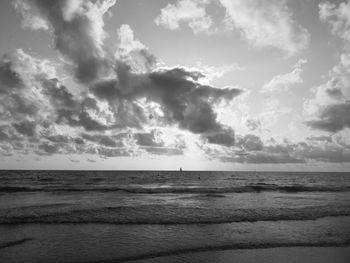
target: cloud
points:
(183, 100)
(332, 118)
(283, 82)
(253, 124)
(112, 101)
(104, 140)
(132, 52)
(29, 18)
(25, 128)
(77, 28)
(328, 109)
(148, 139)
(191, 12)
(338, 17)
(249, 142)
(20, 89)
(250, 149)
(264, 23)
(155, 142)
(124, 112)
(90, 122)
(225, 137)
(267, 23)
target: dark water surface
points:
(148, 216)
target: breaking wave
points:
(182, 190)
(164, 214)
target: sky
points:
(155, 84)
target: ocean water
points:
(169, 216)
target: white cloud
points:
(264, 23)
(328, 108)
(338, 17)
(192, 12)
(267, 23)
(30, 19)
(283, 82)
(133, 52)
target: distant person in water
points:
(180, 169)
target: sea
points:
(173, 216)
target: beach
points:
(174, 217)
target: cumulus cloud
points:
(249, 142)
(332, 118)
(338, 17)
(191, 12)
(36, 106)
(267, 23)
(122, 103)
(283, 82)
(253, 124)
(114, 114)
(30, 19)
(153, 142)
(264, 23)
(184, 101)
(329, 109)
(132, 52)
(77, 28)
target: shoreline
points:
(106, 243)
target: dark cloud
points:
(108, 105)
(265, 157)
(332, 118)
(58, 138)
(26, 128)
(79, 141)
(105, 140)
(78, 115)
(20, 104)
(253, 124)
(164, 151)
(59, 95)
(113, 152)
(315, 149)
(249, 142)
(91, 124)
(8, 77)
(48, 148)
(148, 139)
(335, 93)
(78, 33)
(226, 137)
(183, 99)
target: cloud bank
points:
(120, 102)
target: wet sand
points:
(268, 255)
(282, 241)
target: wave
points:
(237, 246)
(239, 189)
(14, 243)
(162, 214)
(181, 190)
(10, 189)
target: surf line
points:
(14, 243)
